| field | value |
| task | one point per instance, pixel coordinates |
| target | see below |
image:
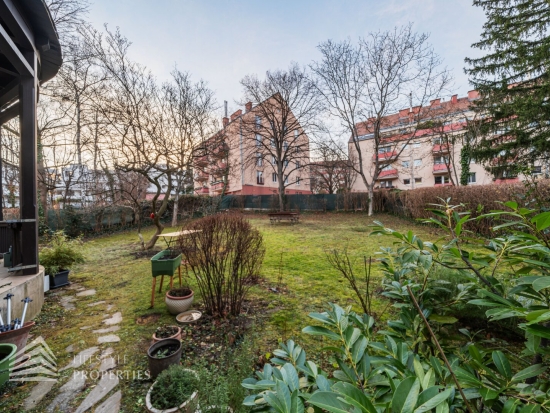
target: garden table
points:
(171, 237)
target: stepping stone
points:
(110, 307)
(37, 394)
(107, 364)
(106, 330)
(85, 293)
(70, 349)
(107, 383)
(85, 327)
(73, 286)
(115, 319)
(111, 405)
(111, 338)
(83, 357)
(96, 303)
(107, 352)
(68, 392)
(66, 302)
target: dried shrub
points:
(225, 255)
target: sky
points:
(222, 41)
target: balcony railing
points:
(385, 157)
(441, 168)
(216, 186)
(204, 190)
(388, 174)
(441, 148)
(260, 181)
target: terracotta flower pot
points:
(177, 336)
(178, 305)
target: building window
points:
(274, 177)
(286, 179)
(258, 140)
(285, 146)
(405, 164)
(384, 149)
(443, 179)
(273, 143)
(406, 181)
(259, 159)
(437, 141)
(273, 160)
(418, 162)
(416, 145)
(258, 120)
(297, 180)
(387, 168)
(438, 160)
(417, 180)
(285, 162)
(385, 184)
(260, 177)
(296, 134)
(405, 146)
(472, 178)
(297, 164)
(536, 170)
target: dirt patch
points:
(145, 254)
(148, 319)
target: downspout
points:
(242, 160)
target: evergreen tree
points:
(513, 79)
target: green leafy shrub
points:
(61, 253)
(173, 387)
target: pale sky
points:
(222, 41)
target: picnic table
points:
(292, 217)
(171, 237)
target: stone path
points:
(103, 398)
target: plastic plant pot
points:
(162, 266)
(7, 360)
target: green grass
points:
(308, 283)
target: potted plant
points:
(165, 263)
(179, 300)
(58, 258)
(175, 390)
(163, 354)
(7, 360)
(167, 332)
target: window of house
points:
(273, 160)
(536, 170)
(385, 184)
(260, 177)
(285, 146)
(442, 179)
(417, 180)
(406, 181)
(296, 134)
(405, 146)
(405, 164)
(272, 143)
(258, 121)
(387, 168)
(297, 180)
(472, 178)
(258, 140)
(437, 141)
(274, 177)
(416, 145)
(286, 179)
(259, 159)
(472, 160)
(384, 149)
(438, 160)
(418, 162)
(297, 164)
(297, 149)
(285, 162)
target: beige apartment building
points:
(243, 155)
(421, 147)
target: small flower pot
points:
(157, 365)
(178, 305)
(7, 361)
(176, 336)
(60, 279)
(189, 406)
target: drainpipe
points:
(242, 160)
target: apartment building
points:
(423, 147)
(243, 156)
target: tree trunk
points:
(371, 198)
(151, 243)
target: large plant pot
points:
(17, 337)
(156, 366)
(189, 406)
(7, 360)
(161, 266)
(59, 280)
(7, 259)
(177, 305)
(176, 336)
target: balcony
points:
(216, 186)
(385, 157)
(389, 174)
(203, 191)
(201, 177)
(441, 169)
(506, 180)
(201, 162)
(441, 148)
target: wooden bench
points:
(292, 217)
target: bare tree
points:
(363, 84)
(285, 113)
(333, 171)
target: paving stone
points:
(107, 364)
(83, 357)
(74, 286)
(106, 353)
(96, 303)
(37, 394)
(115, 319)
(67, 393)
(85, 327)
(111, 405)
(106, 330)
(66, 302)
(110, 307)
(111, 338)
(81, 289)
(107, 383)
(85, 293)
(69, 349)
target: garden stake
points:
(16, 324)
(1, 321)
(413, 298)
(8, 298)
(26, 301)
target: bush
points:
(225, 255)
(61, 253)
(173, 387)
